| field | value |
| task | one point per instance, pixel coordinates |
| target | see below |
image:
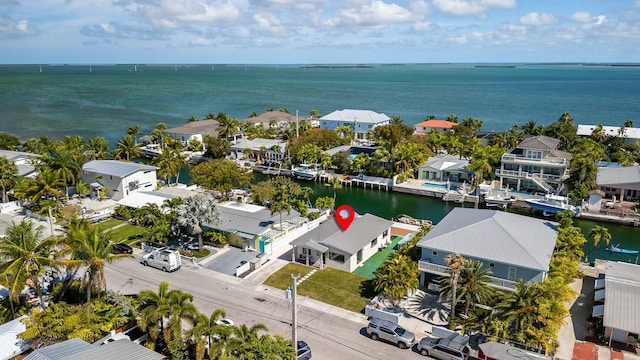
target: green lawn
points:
(331, 286)
(369, 267)
(108, 224)
(125, 232)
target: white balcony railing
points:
(548, 161)
(526, 175)
(442, 270)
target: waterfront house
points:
(630, 134)
(257, 228)
(427, 126)
(535, 165)
(623, 183)
(12, 345)
(23, 160)
(272, 119)
(621, 315)
(195, 130)
(77, 349)
(328, 245)
(361, 121)
(513, 246)
(445, 168)
(119, 178)
(261, 149)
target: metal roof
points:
(248, 218)
(204, 127)
(362, 230)
(257, 143)
(446, 162)
(23, 160)
(495, 350)
(60, 350)
(115, 167)
(138, 199)
(627, 177)
(276, 116)
(629, 133)
(117, 350)
(495, 236)
(621, 306)
(10, 344)
(540, 142)
(360, 116)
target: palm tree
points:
(65, 165)
(91, 247)
(24, 255)
(456, 263)
(244, 339)
(227, 126)
(335, 184)
(518, 308)
(197, 211)
(8, 175)
(45, 184)
(473, 286)
(97, 148)
(599, 233)
(207, 328)
(151, 318)
(598, 134)
(179, 307)
(169, 163)
(395, 277)
(134, 131)
(127, 149)
(529, 127)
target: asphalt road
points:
(329, 336)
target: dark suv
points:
(120, 248)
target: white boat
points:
(498, 201)
(305, 172)
(551, 204)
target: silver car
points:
(389, 331)
(443, 349)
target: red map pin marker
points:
(344, 216)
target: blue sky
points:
(318, 31)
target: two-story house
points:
(272, 119)
(361, 121)
(535, 165)
(427, 126)
(119, 178)
(513, 246)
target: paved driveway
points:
(229, 259)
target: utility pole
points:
(50, 221)
(297, 127)
(294, 313)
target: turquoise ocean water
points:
(71, 100)
(105, 101)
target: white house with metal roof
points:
(535, 165)
(361, 121)
(621, 182)
(513, 246)
(328, 245)
(263, 149)
(23, 160)
(77, 349)
(445, 167)
(194, 130)
(621, 318)
(630, 134)
(119, 178)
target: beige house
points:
(272, 119)
(195, 130)
(328, 245)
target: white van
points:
(164, 259)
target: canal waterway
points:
(391, 204)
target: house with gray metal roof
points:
(262, 149)
(445, 167)
(328, 245)
(194, 130)
(119, 178)
(255, 225)
(76, 349)
(621, 182)
(514, 247)
(535, 165)
(23, 160)
(274, 119)
(621, 318)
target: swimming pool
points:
(440, 186)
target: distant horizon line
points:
(602, 63)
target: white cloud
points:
(423, 26)
(472, 7)
(535, 18)
(581, 17)
(269, 23)
(14, 29)
(375, 14)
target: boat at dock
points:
(551, 204)
(406, 219)
(616, 249)
(305, 172)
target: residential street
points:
(332, 333)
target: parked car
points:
(389, 331)
(121, 248)
(304, 351)
(443, 349)
(191, 245)
(164, 259)
(227, 322)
